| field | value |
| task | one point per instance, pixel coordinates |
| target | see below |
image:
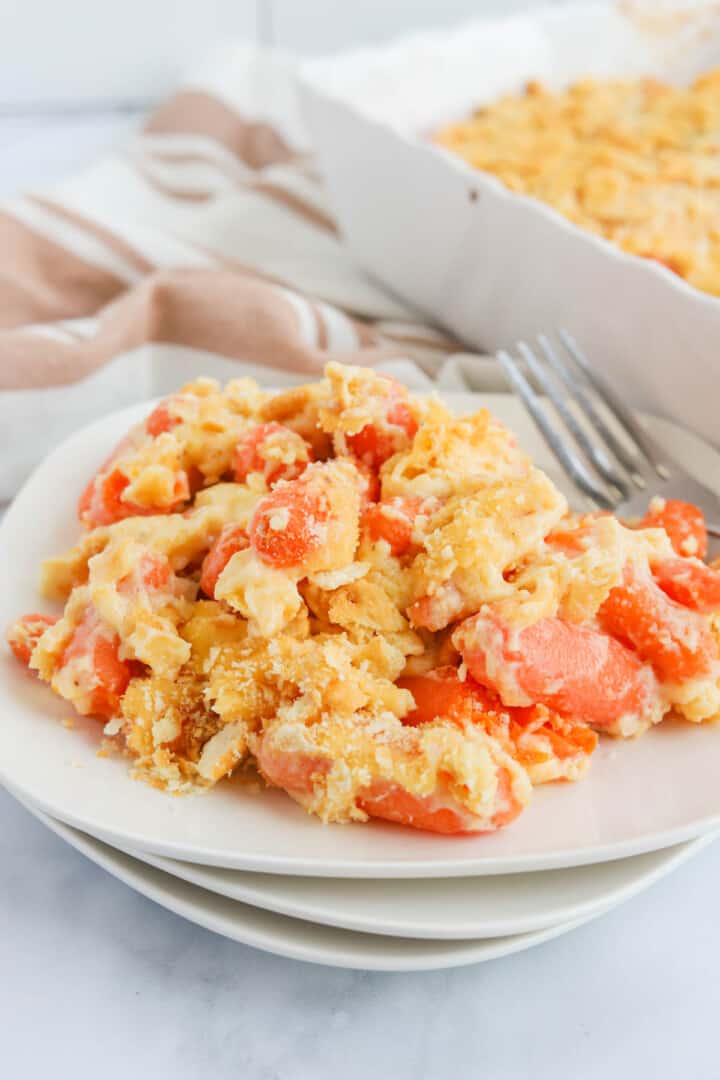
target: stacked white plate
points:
(251, 865)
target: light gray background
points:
(97, 982)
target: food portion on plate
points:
(634, 161)
(385, 610)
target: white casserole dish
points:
(491, 265)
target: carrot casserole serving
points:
(634, 161)
(385, 609)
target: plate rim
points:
(127, 869)
(677, 855)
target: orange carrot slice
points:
(439, 812)
(24, 634)
(682, 521)
(378, 441)
(575, 670)
(689, 582)
(289, 524)
(232, 539)
(161, 419)
(253, 454)
(526, 732)
(677, 642)
(101, 675)
(393, 521)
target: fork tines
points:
(608, 466)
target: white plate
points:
(639, 796)
(471, 907)
(304, 940)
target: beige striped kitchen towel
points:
(206, 244)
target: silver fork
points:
(618, 470)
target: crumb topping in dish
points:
(634, 161)
(386, 610)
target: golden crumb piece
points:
(453, 455)
(299, 409)
(474, 540)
